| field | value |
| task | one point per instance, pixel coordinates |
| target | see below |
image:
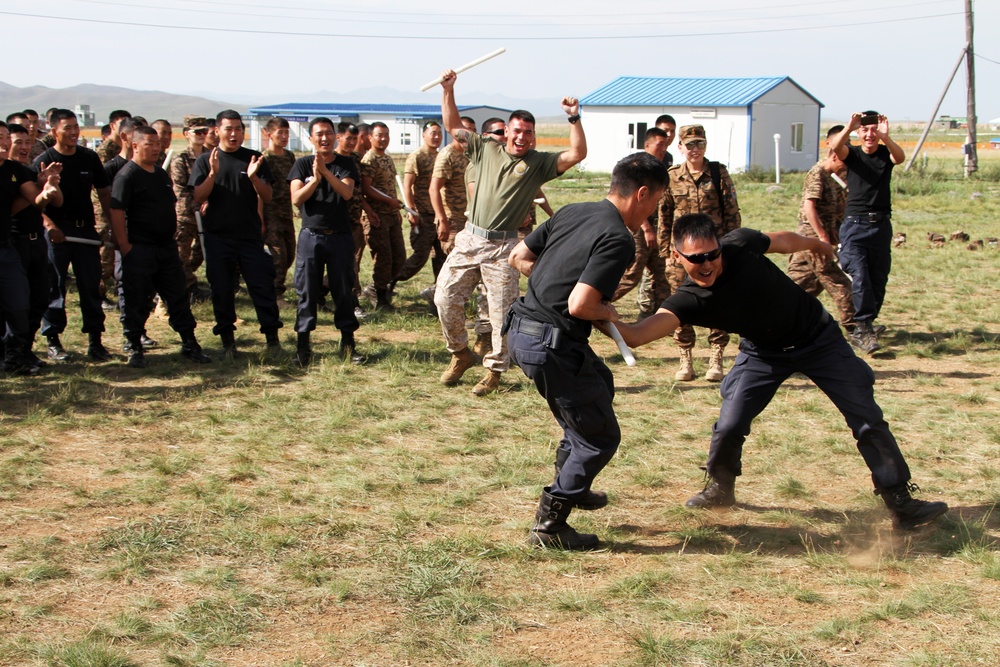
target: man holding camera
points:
(866, 234)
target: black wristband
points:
(572, 119)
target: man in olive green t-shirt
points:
(509, 175)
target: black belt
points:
(870, 217)
(549, 334)
(490, 234)
(319, 230)
(33, 236)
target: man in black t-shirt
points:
(574, 261)
(144, 222)
(229, 180)
(784, 330)
(866, 235)
(82, 171)
(321, 186)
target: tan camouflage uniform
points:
(815, 274)
(188, 242)
(108, 150)
(687, 194)
(450, 166)
(386, 240)
(423, 236)
(356, 207)
(279, 225)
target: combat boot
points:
(907, 511)
(190, 349)
(461, 361)
(96, 350)
(686, 371)
(56, 351)
(587, 501)
(483, 344)
(489, 384)
(229, 350)
(864, 338)
(715, 372)
(136, 353)
(273, 343)
(303, 350)
(551, 529)
(382, 300)
(719, 491)
(349, 349)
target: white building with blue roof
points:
(740, 116)
(405, 121)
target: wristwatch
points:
(572, 119)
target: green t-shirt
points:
(505, 185)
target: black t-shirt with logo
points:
(232, 206)
(12, 176)
(148, 201)
(82, 171)
(325, 209)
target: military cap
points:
(195, 123)
(691, 132)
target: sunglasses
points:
(498, 133)
(205, 131)
(702, 257)
(698, 143)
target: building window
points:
(404, 139)
(636, 135)
(798, 130)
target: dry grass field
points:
(254, 513)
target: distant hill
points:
(103, 100)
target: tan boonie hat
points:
(195, 123)
(691, 132)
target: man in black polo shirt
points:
(574, 261)
(82, 171)
(17, 180)
(784, 330)
(321, 186)
(866, 235)
(144, 222)
(230, 179)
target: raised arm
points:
(882, 132)
(577, 139)
(449, 109)
(839, 143)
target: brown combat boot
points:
(483, 344)
(461, 361)
(686, 371)
(489, 384)
(719, 491)
(715, 373)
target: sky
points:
(891, 55)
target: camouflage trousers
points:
(423, 242)
(358, 232)
(482, 324)
(474, 260)
(684, 335)
(388, 248)
(814, 275)
(279, 237)
(648, 261)
(189, 249)
(107, 260)
(455, 225)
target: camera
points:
(869, 119)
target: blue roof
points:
(680, 91)
(350, 109)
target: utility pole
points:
(971, 157)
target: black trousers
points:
(35, 260)
(86, 262)
(13, 305)
(828, 361)
(579, 389)
(223, 257)
(147, 269)
(866, 255)
(333, 254)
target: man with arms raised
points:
(508, 178)
(784, 330)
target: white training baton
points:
(622, 347)
(166, 160)
(459, 70)
(77, 239)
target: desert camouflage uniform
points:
(684, 195)
(279, 226)
(386, 240)
(356, 207)
(650, 264)
(423, 236)
(188, 243)
(814, 274)
(450, 166)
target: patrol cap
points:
(195, 123)
(691, 132)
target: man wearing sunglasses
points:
(697, 185)
(188, 245)
(784, 330)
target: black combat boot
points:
(273, 343)
(229, 345)
(135, 352)
(382, 300)
(303, 350)
(190, 349)
(349, 350)
(96, 349)
(719, 491)
(551, 529)
(56, 350)
(907, 511)
(588, 500)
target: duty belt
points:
(870, 217)
(490, 234)
(550, 335)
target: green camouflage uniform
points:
(450, 167)
(108, 150)
(386, 240)
(37, 148)
(188, 243)
(423, 235)
(815, 274)
(356, 207)
(687, 194)
(279, 226)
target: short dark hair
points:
(16, 128)
(143, 131)
(429, 124)
(665, 118)
(129, 125)
(211, 122)
(364, 127)
(522, 115)
(490, 121)
(347, 127)
(378, 124)
(50, 111)
(118, 114)
(14, 116)
(468, 119)
(141, 120)
(636, 170)
(30, 112)
(694, 226)
(163, 121)
(276, 123)
(654, 132)
(106, 130)
(836, 129)
(3, 125)
(319, 120)
(229, 114)
(59, 115)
